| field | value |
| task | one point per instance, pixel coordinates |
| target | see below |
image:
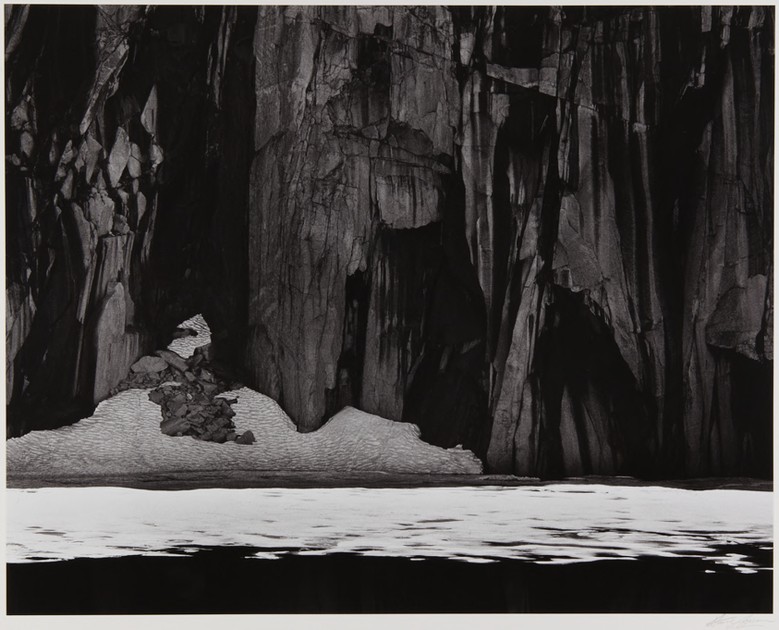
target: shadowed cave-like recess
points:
(542, 233)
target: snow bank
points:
(123, 437)
(185, 346)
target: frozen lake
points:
(553, 524)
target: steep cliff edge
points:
(542, 233)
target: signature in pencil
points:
(738, 621)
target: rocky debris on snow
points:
(144, 379)
(189, 411)
(147, 365)
(173, 359)
(198, 371)
(186, 390)
(246, 438)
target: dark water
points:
(224, 580)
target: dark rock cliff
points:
(542, 233)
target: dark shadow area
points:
(752, 390)
(518, 36)
(224, 581)
(446, 395)
(579, 362)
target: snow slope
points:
(123, 437)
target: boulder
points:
(245, 438)
(149, 364)
(173, 359)
(175, 426)
(210, 389)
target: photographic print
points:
(389, 309)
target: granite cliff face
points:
(542, 233)
(97, 101)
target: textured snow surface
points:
(185, 346)
(548, 524)
(123, 437)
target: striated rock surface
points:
(89, 291)
(542, 233)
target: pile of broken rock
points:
(186, 391)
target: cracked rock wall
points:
(555, 225)
(542, 233)
(103, 228)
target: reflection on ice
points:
(551, 524)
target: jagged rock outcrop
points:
(93, 94)
(73, 227)
(543, 233)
